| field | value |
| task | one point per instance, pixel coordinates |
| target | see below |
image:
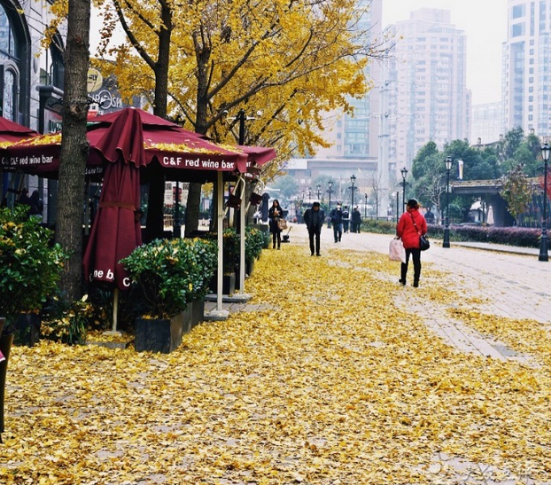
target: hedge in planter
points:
(254, 243)
(31, 264)
(170, 274)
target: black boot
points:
(404, 269)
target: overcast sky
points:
(485, 24)
(483, 21)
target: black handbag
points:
(424, 241)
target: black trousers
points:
(416, 253)
(276, 238)
(314, 238)
(338, 231)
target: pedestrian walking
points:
(429, 217)
(411, 226)
(346, 219)
(314, 219)
(275, 213)
(336, 217)
(356, 219)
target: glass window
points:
(7, 42)
(9, 95)
(518, 29)
(518, 11)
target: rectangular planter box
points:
(249, 267)
(5, 347)
(197, 310)
(27, 329)
(158, 335)
(228, 284)
(193, 315)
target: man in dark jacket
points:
(337, 221)
(314, 219)
(356, 220)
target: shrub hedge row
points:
(513, 236)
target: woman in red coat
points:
(411, 226)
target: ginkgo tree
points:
(287, 62)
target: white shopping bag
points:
(396, 250)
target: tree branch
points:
(133, 40)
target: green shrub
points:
(514, 236)
(30, 263)
(254, 243)
(379, 227)
(171, 273)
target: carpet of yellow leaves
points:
(336, 385)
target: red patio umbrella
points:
(11, 132)
(116, 230)
(174, 148)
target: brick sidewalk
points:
(502, 283)
(518, 285)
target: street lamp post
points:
(365, 205)
(543, 253)
(397, 195)
(318, 192)
(330, 185)
(404, 172)
(330, 192)
(446, 235)
(353, 188)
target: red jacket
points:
(406, 230)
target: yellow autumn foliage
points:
(286, 63)
(329, 381)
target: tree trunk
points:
(154, 220)
(192, 209)
(194, 193)
(74, 147)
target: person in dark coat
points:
(36, 205)
(346, 219)
(356, 219)
(274, 214)
(336, 216)
(430, 217)
(24, 197)
(411, 226)
(314, 219)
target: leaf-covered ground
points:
(334, 385)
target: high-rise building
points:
(526, 67)
(356, 136)
(428, 98)
(355, 139)
(487, 123)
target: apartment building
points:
(428, 97)
(487, 123)
(526, 67)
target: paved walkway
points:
(513, 281)
(496, 280)
(194, 428)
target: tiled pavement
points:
(507, 281)
(515, 286)
(504, 281)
